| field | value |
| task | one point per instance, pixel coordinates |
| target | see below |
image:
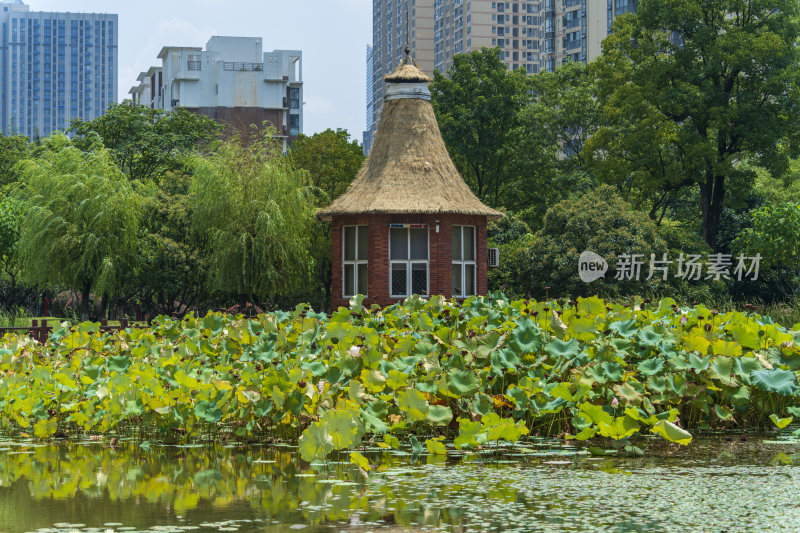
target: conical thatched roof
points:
(408, 170)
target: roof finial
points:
(407, 60)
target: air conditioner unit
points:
(494, 257)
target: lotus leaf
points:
(780, 422)
(440, 415)
(622, 427)
(315, 443)
(413, 403)
(462, 382)
(777, 380)
(436, 447)
(526, 337)
(672, 433)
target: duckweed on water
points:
(430, 374)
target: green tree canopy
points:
(146, 142)
(714, 83)
(13, 149)
(252, 212)
(599, 221)
(775, 236)
(330, 160)
(477, 106)
(80, 219)
(545, 149)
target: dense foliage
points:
(489, 370)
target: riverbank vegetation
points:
(419, 374)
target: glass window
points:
(409, 264)
(354, 260)
(464, 266)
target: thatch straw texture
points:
(407, 73)
(408, 170)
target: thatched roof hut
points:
(408, 224)
(408, 169)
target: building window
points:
(408, 259)
(354, 261)
(194, 63)
(464, 261)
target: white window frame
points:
(407, 263)
(354, 262)
(464, 263)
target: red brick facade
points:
(440, 254)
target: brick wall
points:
(441, 269)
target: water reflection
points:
(542, 487)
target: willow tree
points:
(254, 219)
(80, 219)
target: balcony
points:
(242, 67)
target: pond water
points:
(721, 484)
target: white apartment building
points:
(232, 81)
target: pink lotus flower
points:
(355, 351)
(684, 320)
(615, 402)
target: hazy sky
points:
(332, 35)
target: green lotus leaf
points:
(564, 349)
(397, 379)
(467, 433)
(208, 412)
(722, 412)
(697, 343)
(650, 367)
(721, 368)
(526, 337)
(747, 335)
(344, 427)
(595, 413)
(462, 382)
(624, 328)
(672, 433)
(583, 329)
(436, 447)
(440, 415)
(648, 337)
(726, 348)
(45, 428)
(628, 393)
(780, 422)
(699, 363)
(622, 427)
(119, 363)
(413, 403)
(373, 424)
(373, 380)
(592, 306)
(214, 322)
(315, 443)
(777, 380)
(744, 366)
(586, 433)
(360, 461)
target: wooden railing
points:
(41, 330)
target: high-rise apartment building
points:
(54, 67)
(532, 34)
(366, 142)
(232, 81)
